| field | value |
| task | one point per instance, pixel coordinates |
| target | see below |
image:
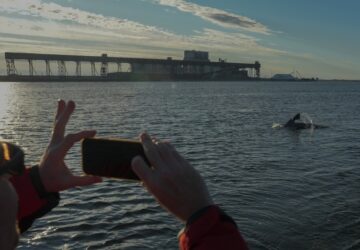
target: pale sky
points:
(316, 38)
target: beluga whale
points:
(297, 123)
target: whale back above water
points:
(301, 125)
(302, 122)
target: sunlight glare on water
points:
(5, 93)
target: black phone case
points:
(110, 157)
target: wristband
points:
(37, 182)
(223, 216)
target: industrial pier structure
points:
(195, 66)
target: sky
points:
(314, 38)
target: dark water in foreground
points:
(286, 190)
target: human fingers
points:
(62, 120)
(166, 154)
(151, 150)
(141, 169)
(71, 139)
(60, 108)
(175, 154)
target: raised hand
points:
(54, 173)
(171, 179)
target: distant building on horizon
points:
(195, 55)
(283, 77)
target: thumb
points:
(142, 169)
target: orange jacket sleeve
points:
(210, 228)
(34, 201)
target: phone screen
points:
(110, 157)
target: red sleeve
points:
(29, 200)
(213, 229)
(34, 201)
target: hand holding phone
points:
(175, 183)
(110, 157)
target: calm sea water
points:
(285, 189)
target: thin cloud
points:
(19, 41)
(217, 16)
(36, 18)
(232, 43)
(58, 13)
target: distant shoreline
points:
(18, 78)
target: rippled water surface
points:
(285, 189)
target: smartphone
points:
(110, 157)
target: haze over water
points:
(285, 189)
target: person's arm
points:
(33, 200)
(211, 228)
(38, 188)
(180, 189)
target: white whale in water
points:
(296, 124)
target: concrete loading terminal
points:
(195, 66)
